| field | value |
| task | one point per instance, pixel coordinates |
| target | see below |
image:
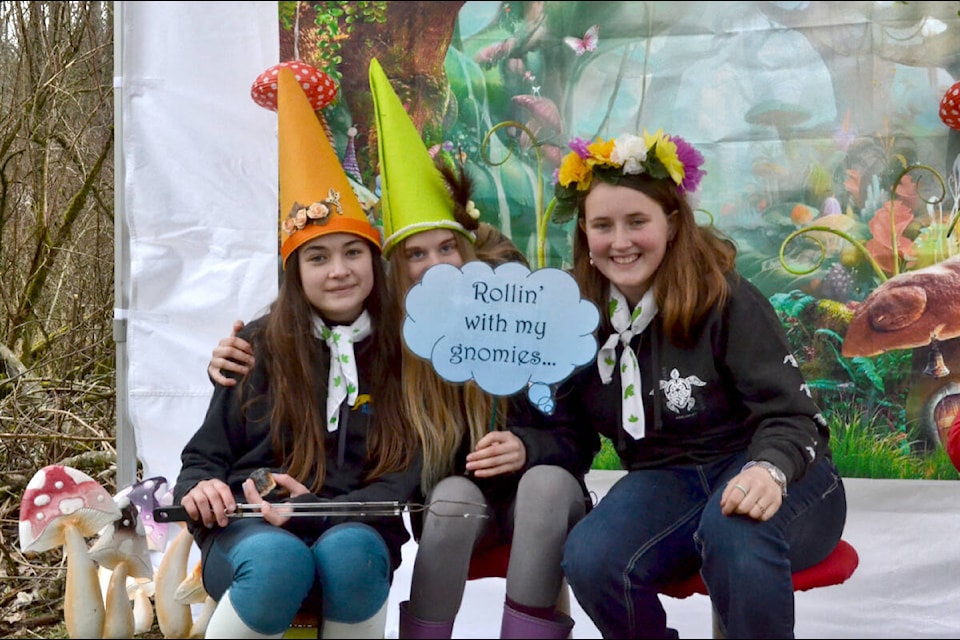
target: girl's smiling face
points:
(627, 233)
(336, 271)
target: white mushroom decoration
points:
(190, 592)
(63, 506)
(174, 617)
(122, 548)
(140, 592)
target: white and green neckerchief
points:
(343, 382)
(626, 326)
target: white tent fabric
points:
(199, 202)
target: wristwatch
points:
(775, 472)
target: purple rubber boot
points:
(521, 625)
(413, 627)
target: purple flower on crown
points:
(579, 146)
(692, 160)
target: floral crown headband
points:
(659, 155)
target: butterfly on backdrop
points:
(588, 43)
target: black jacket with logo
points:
(737, 388)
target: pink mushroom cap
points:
(147, 495)
(319, 87)
(58, 497)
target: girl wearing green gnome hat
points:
(527, 479)
(481, 454)
(314, 411)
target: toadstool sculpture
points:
(950, 107)
(63, 506)
(122, 548)
(190, 592)
(147, 495)
(175, 618)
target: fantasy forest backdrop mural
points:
(829, 161)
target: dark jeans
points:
(658, 526)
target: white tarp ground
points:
(199, 200)
(905, 587)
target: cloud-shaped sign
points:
(507, 328)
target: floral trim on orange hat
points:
(316, 213)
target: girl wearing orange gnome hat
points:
(527, 479)
(316, 410)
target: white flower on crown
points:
(630, 151)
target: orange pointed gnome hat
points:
(316, 198)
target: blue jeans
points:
(657, 526)
(270, 572)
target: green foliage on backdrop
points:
(826, 159)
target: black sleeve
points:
(553, 439)
(788, 428)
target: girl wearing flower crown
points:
(316, 410)
(729, 468)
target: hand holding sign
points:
(506, 328)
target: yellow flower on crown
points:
(574, 169)
(600, 151)
(666, 153)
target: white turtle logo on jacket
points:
(678, 391)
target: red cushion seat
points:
(490, 563)
(834, 569)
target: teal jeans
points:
(270, 572)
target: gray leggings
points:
(548, 503)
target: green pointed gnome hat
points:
(415, 196)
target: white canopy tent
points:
(196, 210)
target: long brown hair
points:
(691, 280)
(441, 413)
(292, 358)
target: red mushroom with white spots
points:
(63, 506)
(950, 107)
(319, 87)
